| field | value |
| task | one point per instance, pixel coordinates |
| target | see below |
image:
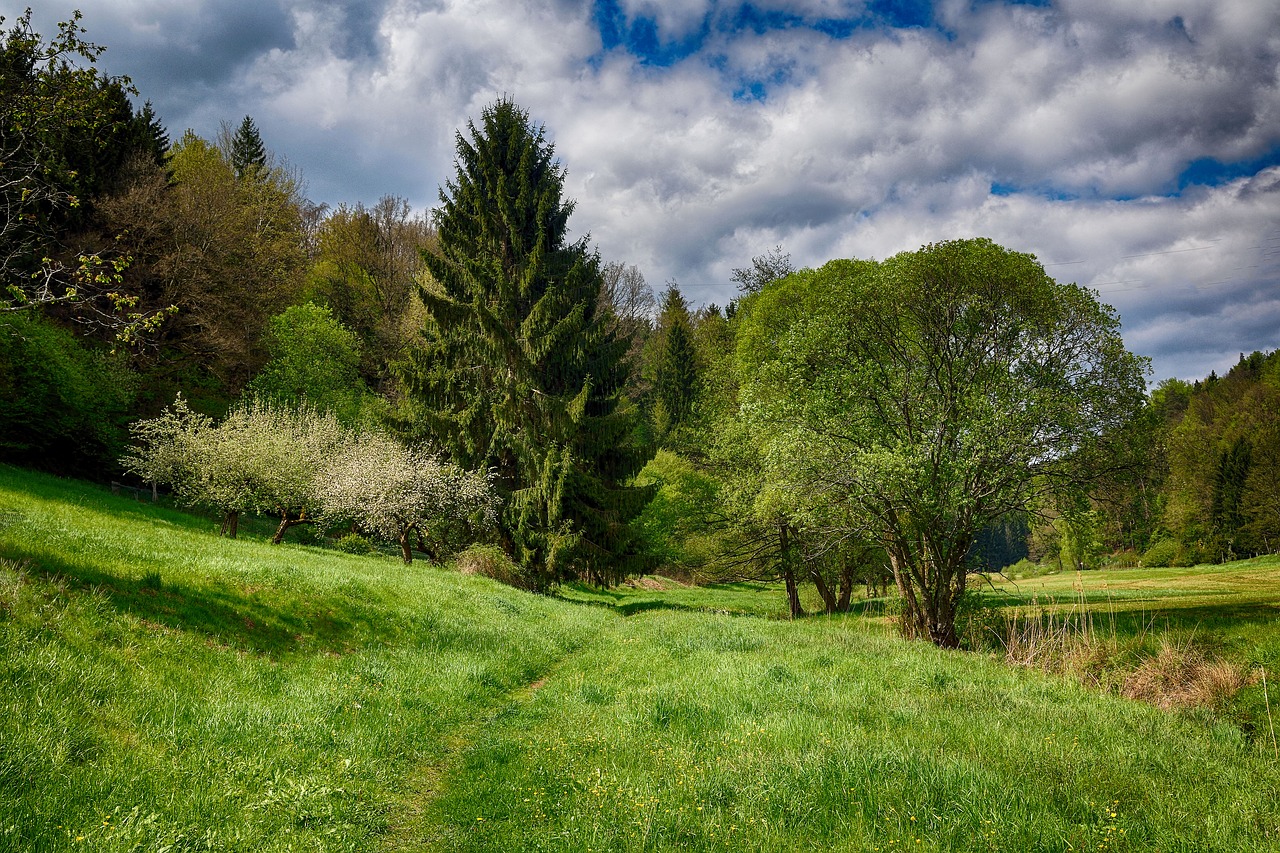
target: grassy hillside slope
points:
(162, 689)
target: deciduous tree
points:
(930, 395)
(65, 132)
(261, 458)
(400, 493)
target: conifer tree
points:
(248, 154)
(148, 135)
(676, 374)
(518, 370)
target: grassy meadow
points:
(162, 690)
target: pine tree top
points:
(248, 154)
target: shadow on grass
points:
(628, 606)
(248, 621)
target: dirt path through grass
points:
(412, 827)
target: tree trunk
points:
(406, 550)
(285, 523)
(786, 551)
(829, 603)
(913, 623)
(846, 586)
(230, 524)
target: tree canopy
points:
(931, 395)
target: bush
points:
(64, 404)
(354, 543)
(979, 624)
(492, 562)
(1162, 554)
(1024, 568)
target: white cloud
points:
(863, 146)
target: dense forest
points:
(178, 313)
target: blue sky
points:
(1134, 147)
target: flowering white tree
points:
(261, 458)
(397, 492)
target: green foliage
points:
(518, 371)
(228, 253)
(64, 404)
(676, 373)
(1227, 510)
(315, 360)
(367, 263)
(354, 543)
(1223, 440)
(492, 562)
(930, 395)
(66, 132)
(1161, 554)
(675, 527)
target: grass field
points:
(1236, 605)
(163, 689)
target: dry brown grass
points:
(492, 562)
(1178, 675)
(653, 583)
(1184, 677)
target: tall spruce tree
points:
(676, 373)
(248, 154)
(148, 135)
(519, 372)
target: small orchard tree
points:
(287, 449)
(930, 395)
(261, 458)
(183, 449)
(399, 492)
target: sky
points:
(1133, 146)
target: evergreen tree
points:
(248, 154)
(676, 373)
(519, 371)
(148, 135)
(1227, 510)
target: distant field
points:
(163, 689)
(1235, 606)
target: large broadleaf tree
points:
(931, 395)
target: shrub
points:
(1024, 568)
(492, 562)
(64, 403)
(1162, 554)
(354, 543)
(1126, 559)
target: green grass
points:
(737, 599)
(163, 689)
(1232, 608)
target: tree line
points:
(181, 311)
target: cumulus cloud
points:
(699, 133)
